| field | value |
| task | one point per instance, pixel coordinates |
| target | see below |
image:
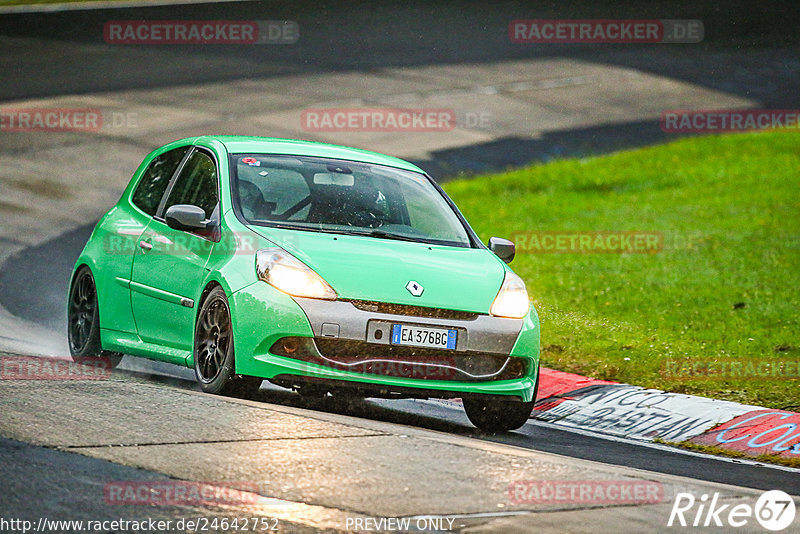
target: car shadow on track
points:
(397, 411)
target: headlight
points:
(512, 299)
(283, 271)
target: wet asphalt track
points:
(33, 285)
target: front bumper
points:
(342, 319)
(263, 317)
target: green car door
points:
(169, 264)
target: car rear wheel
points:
(497, 415)
(83, 320)
(214, 361)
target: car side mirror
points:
(186, 217)
(503, 248)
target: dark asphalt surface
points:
(43, 484)
(749, 49)
(357, 35)
(539, 437)
(63, 482)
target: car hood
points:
(375, 269)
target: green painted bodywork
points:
(143, 296)
(366, 268)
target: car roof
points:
(272, 145)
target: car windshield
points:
(328, 195)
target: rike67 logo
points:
(774, 510)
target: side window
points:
(155, 179)
(196, 185)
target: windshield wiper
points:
(382, 234)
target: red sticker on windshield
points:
(253, 162)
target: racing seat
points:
(252, 202)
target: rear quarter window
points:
(196, 185)
(156, 178)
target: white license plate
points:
(422, 336)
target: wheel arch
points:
(208, 287)
(78, 266)
(89, 264)
(83, 261)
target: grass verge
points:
(715, 312)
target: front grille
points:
(415, 311)
(402, 362)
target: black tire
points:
(494, 415)
(214, 361)
(83, 320)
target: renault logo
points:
(414, 288)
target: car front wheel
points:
(494, 414)
(214, 362)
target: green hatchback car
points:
(324, 269)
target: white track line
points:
(659, 446)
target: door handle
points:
(145, 245)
